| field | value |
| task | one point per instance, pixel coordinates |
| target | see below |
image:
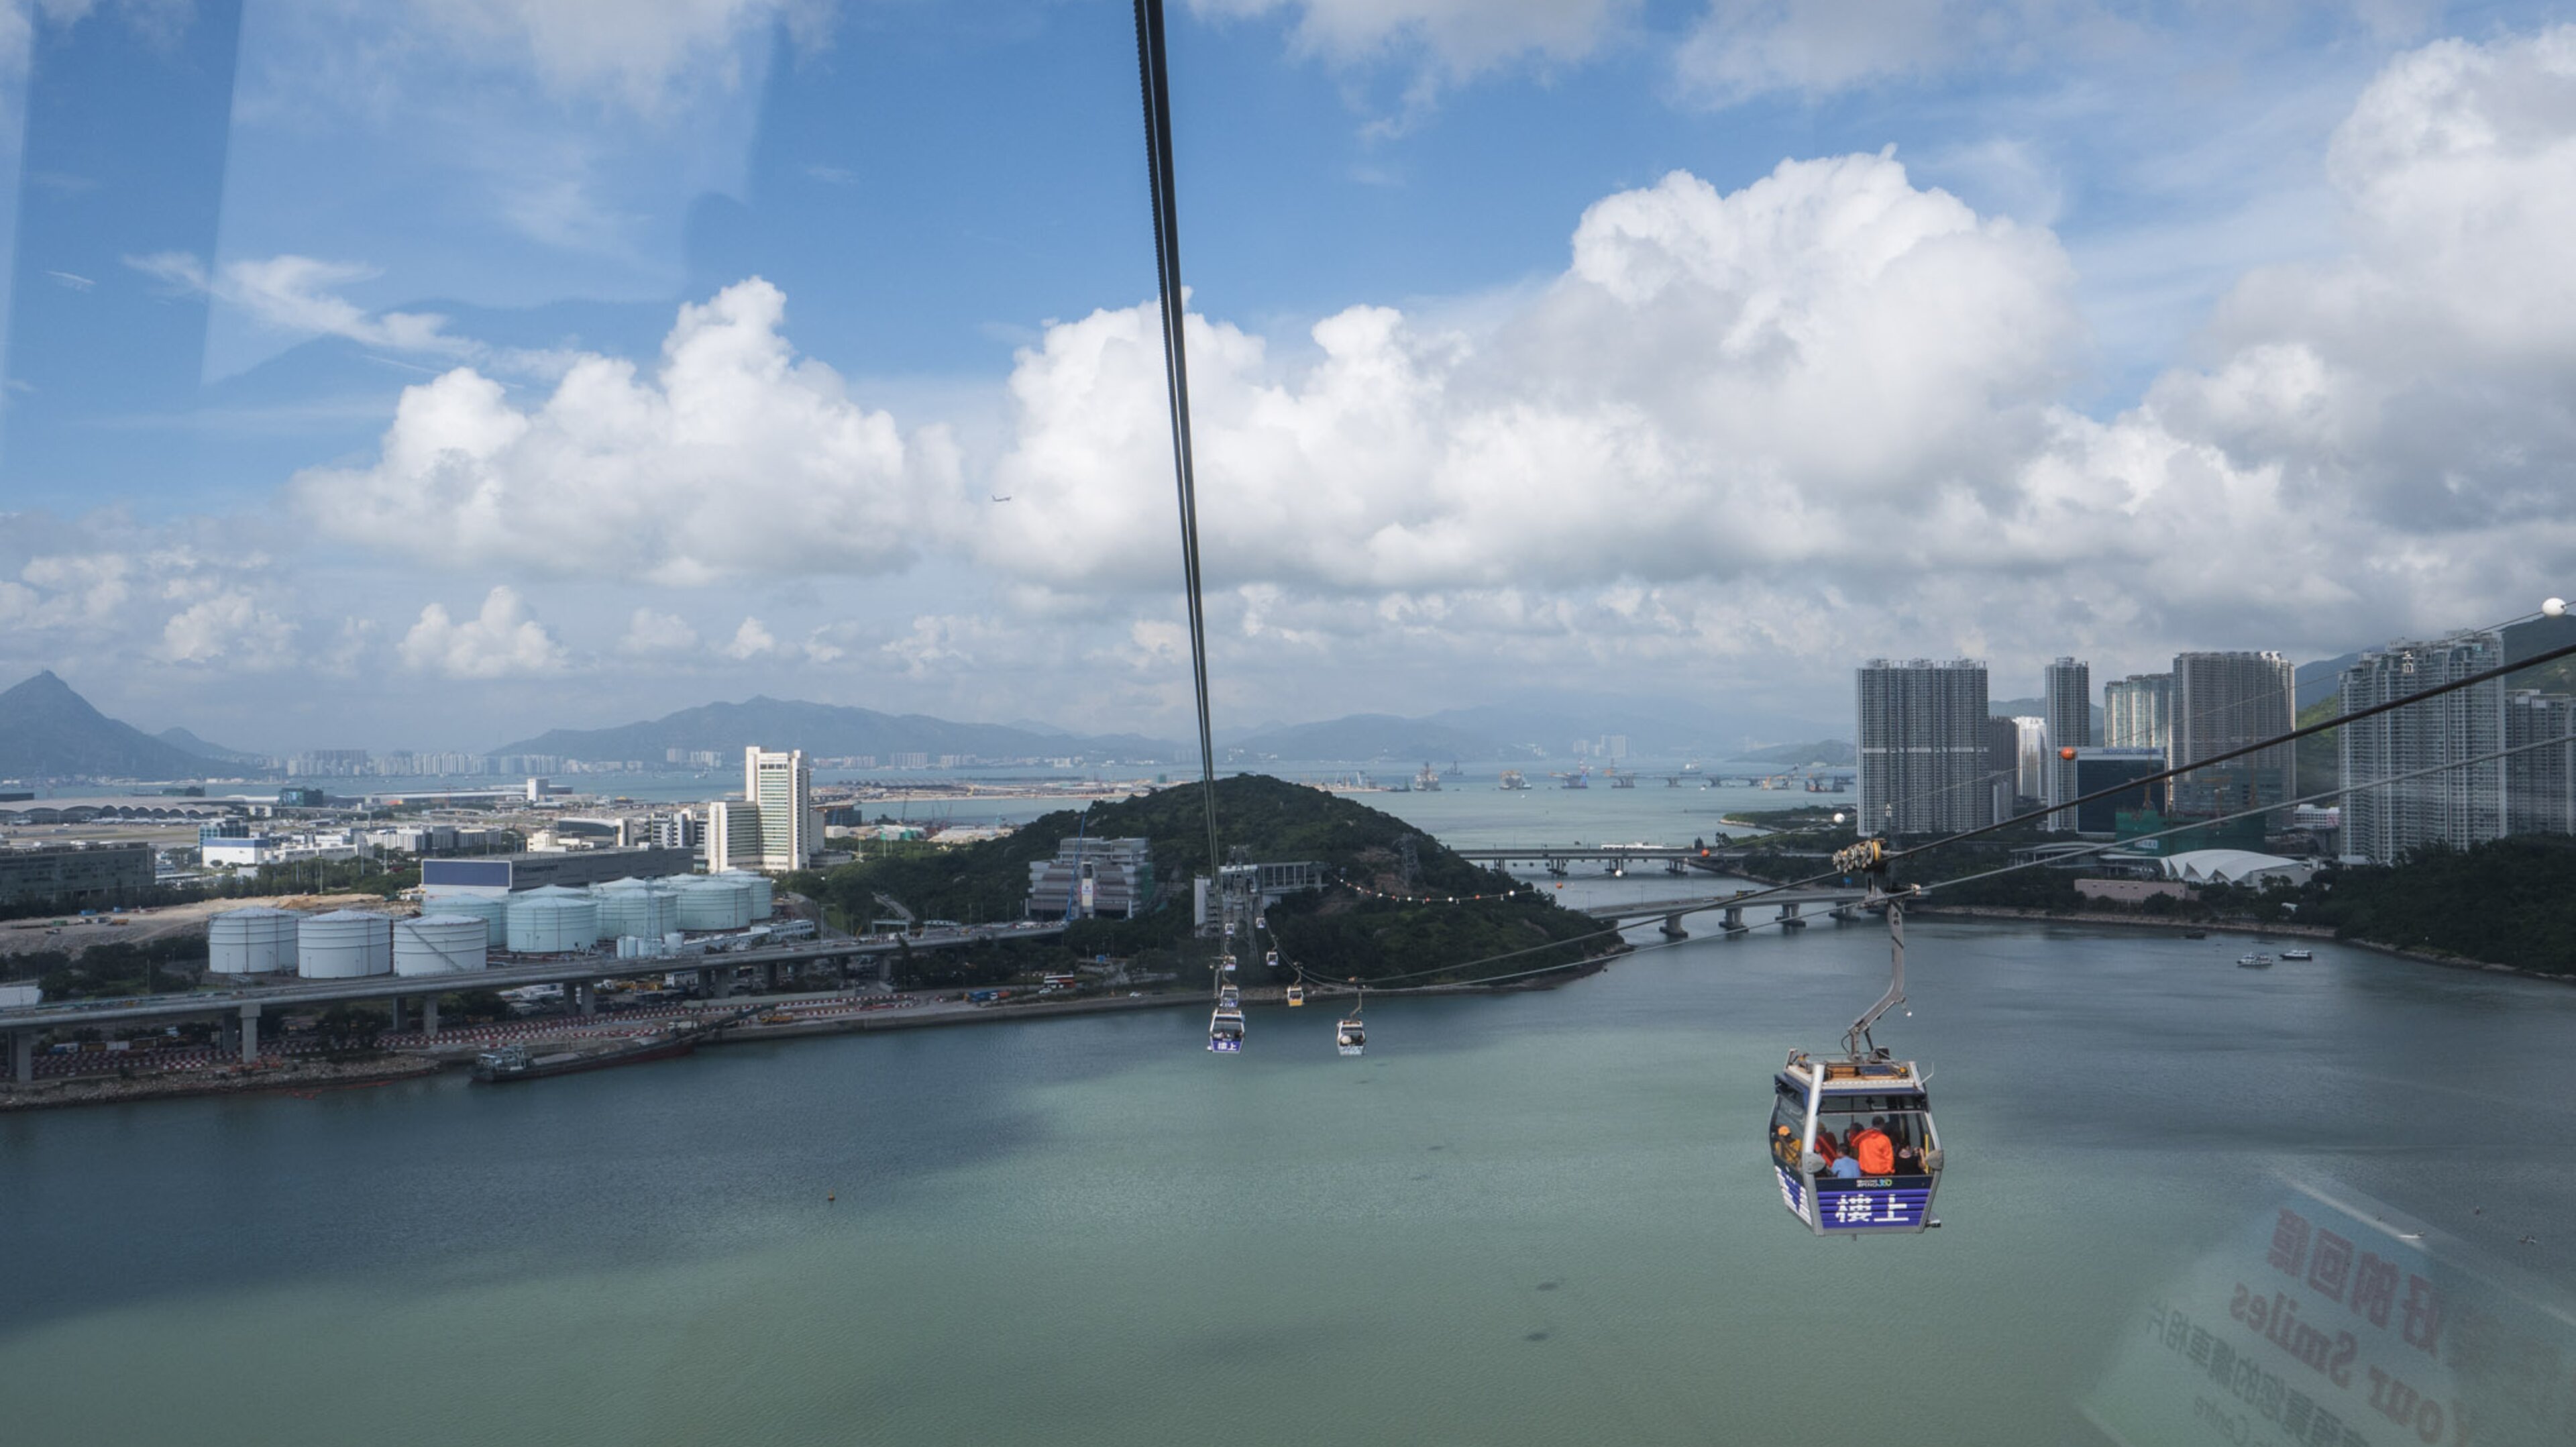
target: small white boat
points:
(2298, 954)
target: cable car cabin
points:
(1296, 995)
(1853, 1144)
(1229, 998)
(1351, 1038)
(1229, 964)
(1225, 1030)
(1270, 958)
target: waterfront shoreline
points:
(296, 1079)
(2236, 927)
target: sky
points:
(428, 373)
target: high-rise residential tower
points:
(2137, 712)
(2463, 803)
(2540, 775)
(2222, 702)
(1923, 747)
(2066, 701)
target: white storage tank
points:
(492, 909)
(440, 944)
(253, 941)
(633, 907)
(344, 945)
(552, 924)
(764, 895)
(715, 903)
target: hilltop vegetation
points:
(1340, 932)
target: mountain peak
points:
(48, 730)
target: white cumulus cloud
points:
(502, 640)
(650, 634)
(1463, 36)
(734, 458)
(301, 295)
(751, 640)
(229, 627)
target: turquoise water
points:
(1532, 1219)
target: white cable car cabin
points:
(1296, 995)
(1225, 1030)
(1229, 998)
(1352, 1037)
(1853, 1144)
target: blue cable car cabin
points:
(1853, 1144)
(1225, 1030)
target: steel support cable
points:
(2200, 716)
(2277, 740)
(2333, 793)
(1153, 76)
(1634, 949)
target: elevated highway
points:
(1838, 904)
(241, 1008)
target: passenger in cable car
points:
(1827, 1147)
(1876, 1152)
(1845, 1168)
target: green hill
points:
(1342, 932)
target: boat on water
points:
(2254, 962)
(2195, 934)
(2298, 954)
(514, 1062)
(1514, 779)
(1428, 781)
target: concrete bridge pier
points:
(719, 982)
(394, 1008)
(1556, 867)
(587, 996)
(429, 1017)
(248, 1045)
(22, 1056)
(228, 1036)
(1675, 866)
(1789, 916)
(1673, 928)
(1732, 919)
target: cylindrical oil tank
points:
(440, 944)
(492, 909)
(764, 895)
(552, 924)
(643, 911)
(344, 945)
(715, 903)
(254, 941)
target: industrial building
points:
(2109, 768)
(1089, 878)
(512, 873)
(1923, 747)
(74, 876)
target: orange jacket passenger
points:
(1877, 1153)
(1825, 1146)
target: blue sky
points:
(339, 406)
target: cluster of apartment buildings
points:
(2474, 765)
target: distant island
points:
(1359, 928)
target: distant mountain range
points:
(1489, 733)
(1834, 752)
(49, 731)
(831, 731)
(187, 742)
